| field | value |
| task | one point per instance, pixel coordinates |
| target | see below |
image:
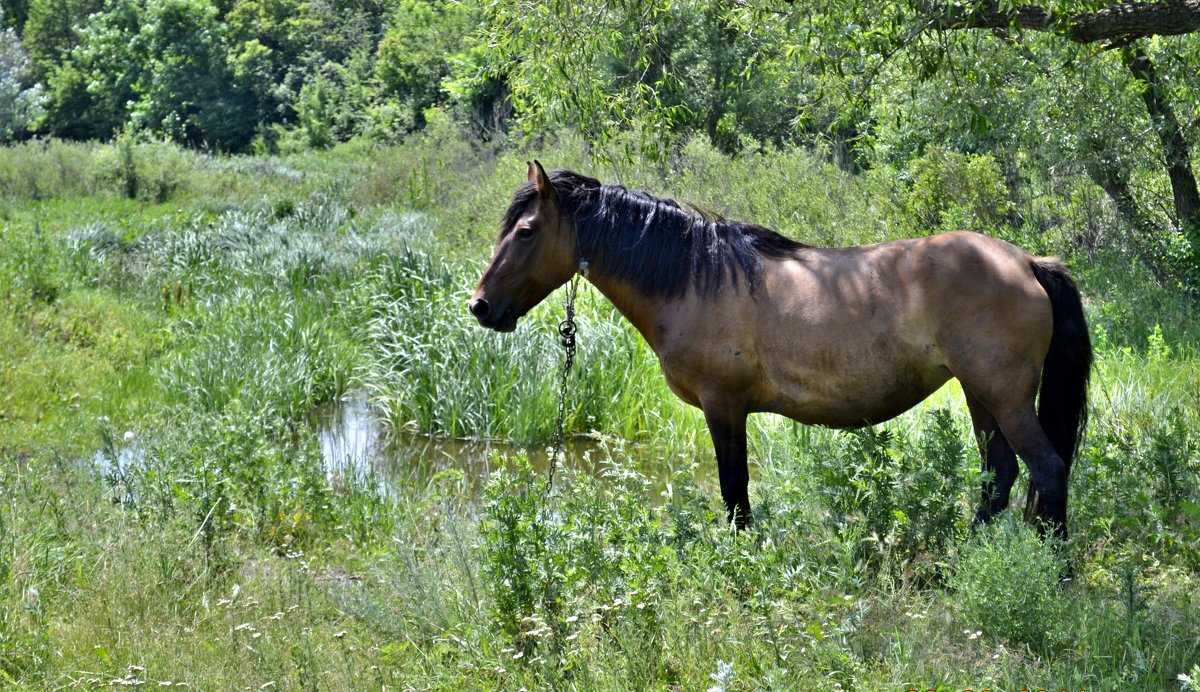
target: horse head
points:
(535, 254)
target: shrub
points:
(592, 547)
(952, 190)
(1006, 583)
(233, 474)
(902, 498)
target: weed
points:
(1006, 582)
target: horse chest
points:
(702, 368)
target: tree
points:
(91, 90)
(1118, 26)
(186, 91)
(51, 30)
(417, 54)
(20, 103)
(846, 64)
(14, 13)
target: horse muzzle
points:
(501, 317)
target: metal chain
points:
(566, 334)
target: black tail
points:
(1062, 403)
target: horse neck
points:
(641, 310)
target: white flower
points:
(723, 677)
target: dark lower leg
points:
(729, 442)
(1047, 472)
(999, 463)
(1002, 462)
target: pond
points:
(355, 440)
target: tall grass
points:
(213, 547)
(433, 370)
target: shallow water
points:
(353, 439)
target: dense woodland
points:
(1096, 91)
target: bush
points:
(593, 550)
(236, 473)
(955, 191)
(1006, 582)
(901, 498)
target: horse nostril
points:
(479, 308)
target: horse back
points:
(853, 335)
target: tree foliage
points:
(20, 102)
(1100, 91)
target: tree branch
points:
(1119, 22)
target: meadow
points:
(170, 321)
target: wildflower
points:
(129, 436)
(723, 677)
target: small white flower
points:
(129, 436)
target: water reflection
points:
(354, 440)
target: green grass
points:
(165, 515)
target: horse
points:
(746, 320)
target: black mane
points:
(654, 244)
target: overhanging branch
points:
(1119, 22)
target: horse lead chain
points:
(566, 334)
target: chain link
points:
(566, 335)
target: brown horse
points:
(745, 320)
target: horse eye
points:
(524, 233)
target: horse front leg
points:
(728, 432)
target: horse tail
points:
(1062, 401)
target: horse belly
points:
(853, 394)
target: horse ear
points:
(537, 174)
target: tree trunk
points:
(1176, 153)
(1115, 184)
(1123, 22)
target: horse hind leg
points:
(998, 459)
(1047, 470)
